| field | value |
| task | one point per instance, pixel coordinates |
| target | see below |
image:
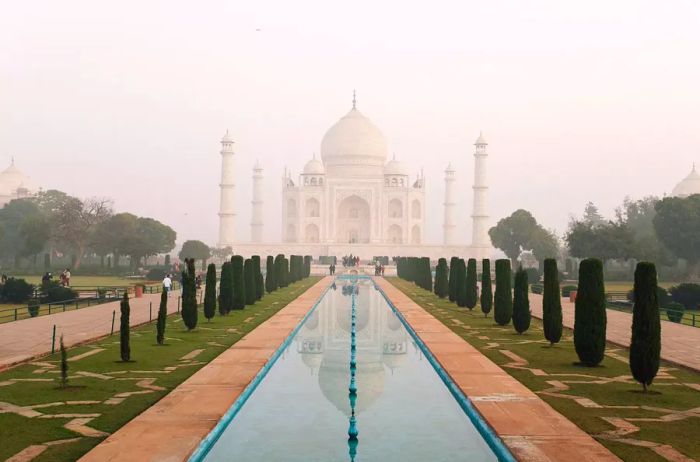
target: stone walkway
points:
(172, 429)
(30, 338)
(680, 344)
(530, 428)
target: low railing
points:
(688, 318)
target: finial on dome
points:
(354, 100)
(13, 162)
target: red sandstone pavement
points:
(23, 340)
(172, 429)
(680, 344)
(530, 428)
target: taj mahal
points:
(355, 200)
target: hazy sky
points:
(579, 101)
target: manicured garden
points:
(108, 385)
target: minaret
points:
(480, 216)
(227, 216)
(256, 223)
(450, 206)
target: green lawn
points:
(610, 386)
(89, 282)
(35, 384)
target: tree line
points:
(55, 222)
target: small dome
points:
(395, 167)
(314, 167)
(689, 186)
(12, 179)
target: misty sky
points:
(579, 101)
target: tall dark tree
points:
(452, 280)
(307, 265)
(249, 278)
(503, 298)
(645, 347)
(64, 364)
(124, 348)
(461, 284)
(210, 292)
(270, 283)
(280, 271)
(197, 250)
(189, 295)
(226, 289)
(239, 295)
(471, 284)
(426, 281)
(257, 274)
(590, 319)
(521, 302)
(162, 315)
(441, 282)
(551, 303)
(486, 290)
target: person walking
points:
(67, 273)
(167, 284)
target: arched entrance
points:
(353, 221)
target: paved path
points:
(531, 429)
(680, 344)
(29, 338)
(172, 429)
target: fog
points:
(580, 101)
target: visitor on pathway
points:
(65, 278)
(167, 284)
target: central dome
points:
(354, 146)
(689, 186)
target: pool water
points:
(300, 410)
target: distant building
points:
(15, 185)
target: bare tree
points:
(76, 220)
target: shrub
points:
(662, 296)
(53, 292)
(239, 296)
(156, 274)
(687, 294)
(441, 281)
(210, 292)
(645, 346)
(124, 348)
(551, 302)
(503, 299)
(162, 315)
(486, 291)
(270, 283)
(521, 302)
(675, 311)
(536, 288)
(17, 290)
(461, 283)
(226, 289)
(566, 290)
(189, 295)
(533, 275)
(590, 317)
(452, 280)
(257, 275)
(34, 306)
(249, 278)
(471, 284)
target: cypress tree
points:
(124, 349)
(521, 302)
(249, 278)
(189, 295)
(503, 298)
(551, 302)
(285, 271)
(590, 317)
(307, 266)
(162, 314)
(270, 283)
(64, 364)
(226, 289)
(486, 292)
(239, 296)
(279, 271)
(441, 281)
(461, 284)
(427, 274)
(471, 284)
(257, 275)
(210, 293)
(645, 347)
(452, 280)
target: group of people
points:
(63, 278)
(350, 260)
(378, 269)
(331, 269)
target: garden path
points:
(680, 344)
(30, 338)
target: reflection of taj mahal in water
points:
(353, 200)
(382, 346)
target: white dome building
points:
(353, 196)
(15, 185)
(688, 186)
